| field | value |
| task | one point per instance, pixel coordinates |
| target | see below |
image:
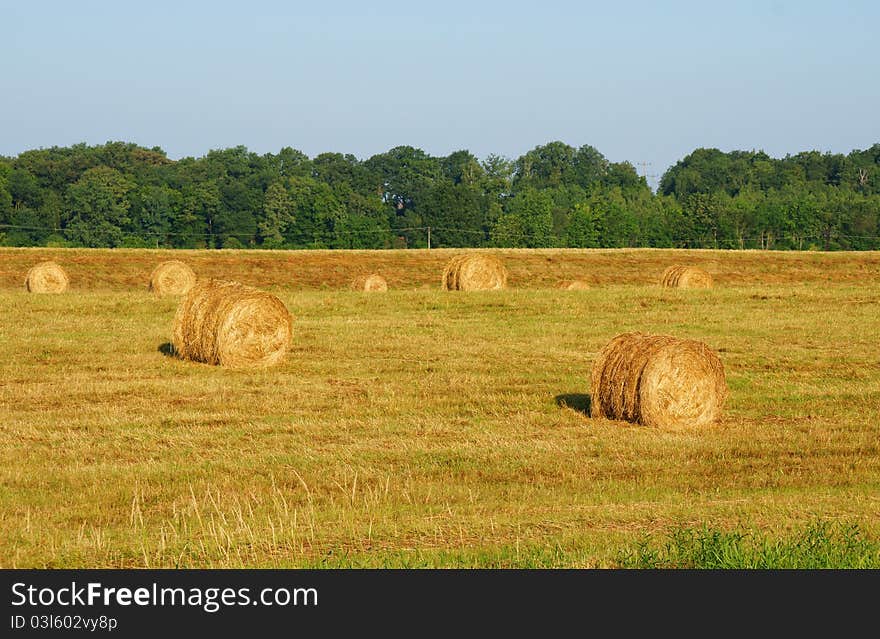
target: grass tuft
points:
(820, 545)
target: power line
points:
(495, 234)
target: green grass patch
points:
(820, 545)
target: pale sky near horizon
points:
(643, 82)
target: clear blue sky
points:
(640, 81)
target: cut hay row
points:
(46, 277)
(172, 278)
(474, 272)
(373, 283)
(229, 324)
(465, 272)
(657, 380)
(680, 276)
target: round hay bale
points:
(373, 283)
(474, 272)
(46, 277)
(657, 380)
(172, 278)
(573, 285)
(229, 324)
(680, 276)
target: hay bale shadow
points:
(579, 402)
(167, 349)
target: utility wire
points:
(773, 237)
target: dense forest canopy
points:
(556, 195)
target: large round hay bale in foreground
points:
(573, 285)
(680, 276)
(373, 283)
(474, 272)
(172, 278)
(229, 324)
(657, 380)
(46, 277)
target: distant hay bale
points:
(229, 324)
(373, 283)
(680, 276)
(573, 285)
(46, 277)
(657, 380)
(474, 272)
(172, 278)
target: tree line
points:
(123, 195)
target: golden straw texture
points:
(474, 272)
(680, 276)
(657, 380)
(373, 283)
(230, 324)
(46, 277)
(172, 278)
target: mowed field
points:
(420, 427)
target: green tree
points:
(861, 229)
(661, 221)
(583, 227)
(702, 212)
(526, 222)
(462, 167)
(739, 216)
(456, 214)
(617, 222)
(545, 166)
(362, 225)
(277, 215)
(404, 177)
(496, 186)
(99, 208)
(153, 211)
(340, 170)
(624, 175)
(863, 170)
(26, 228)
(291, 163)
(497, 176)
(52, 210)
(235, 217)
(5, 201)
(24, 188)
(833, 214)
(591, 167)
(195, 222)
(316, 210)
(565, 198)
